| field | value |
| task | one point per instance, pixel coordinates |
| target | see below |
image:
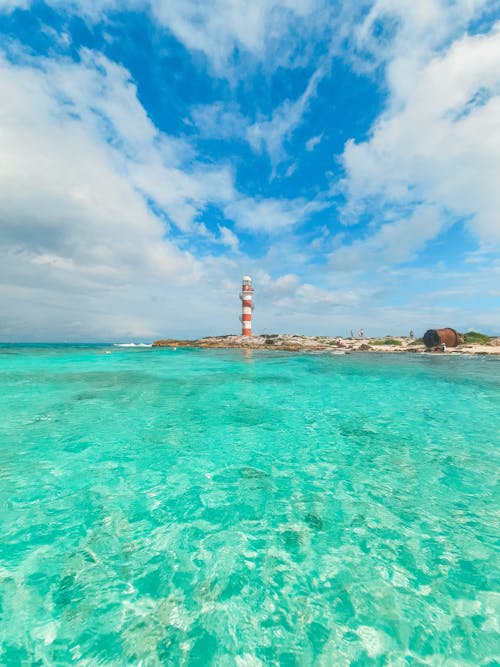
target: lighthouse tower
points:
(247, 306)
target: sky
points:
(345, 154)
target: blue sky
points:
(344, 154)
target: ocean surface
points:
(230, 508)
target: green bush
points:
(475, 337)
(386, 341)
(417, 341)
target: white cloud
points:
(395, 31)
(259, 28)
(392, 243)
(287, 304)
(10, 5)
(83, 167)
(313, 142)
(265, 135)
(439, 143)
(229, 238)
(270, 135)
(220, 121)
(270, 33)
(225, 31)
(76, 233)
(83, 255)
(270, 216)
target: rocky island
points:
(299, 343)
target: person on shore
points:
(412, 335)
(361, 333)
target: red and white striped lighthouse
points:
(247, 306)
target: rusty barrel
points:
(436, 337)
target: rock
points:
(169, 342)
(252, 473)
(314, 521)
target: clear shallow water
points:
(211, 507)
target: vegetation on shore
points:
(476, 337)
(417, 341)
(472, 342)
(386, 341)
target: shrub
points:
(386, 341)
(417, 341)
(476, 337)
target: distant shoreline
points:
(297, 343)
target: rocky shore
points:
(297, 343)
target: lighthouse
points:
(246, 306)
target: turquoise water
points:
(213, 507)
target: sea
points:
(197, 507)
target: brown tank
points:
(436, 337)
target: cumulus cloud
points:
(225, 31)
(77, 132)
(393, 243)
(392, 32)
(308, 298)
(438, 142)
(102, 214)
(270, 216)
(287, 303)
(89, 193)
(261, 29)
(229, 238)
(80, 162)
(71, 221)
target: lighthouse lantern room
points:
(247, 306)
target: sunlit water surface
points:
(212, 507)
